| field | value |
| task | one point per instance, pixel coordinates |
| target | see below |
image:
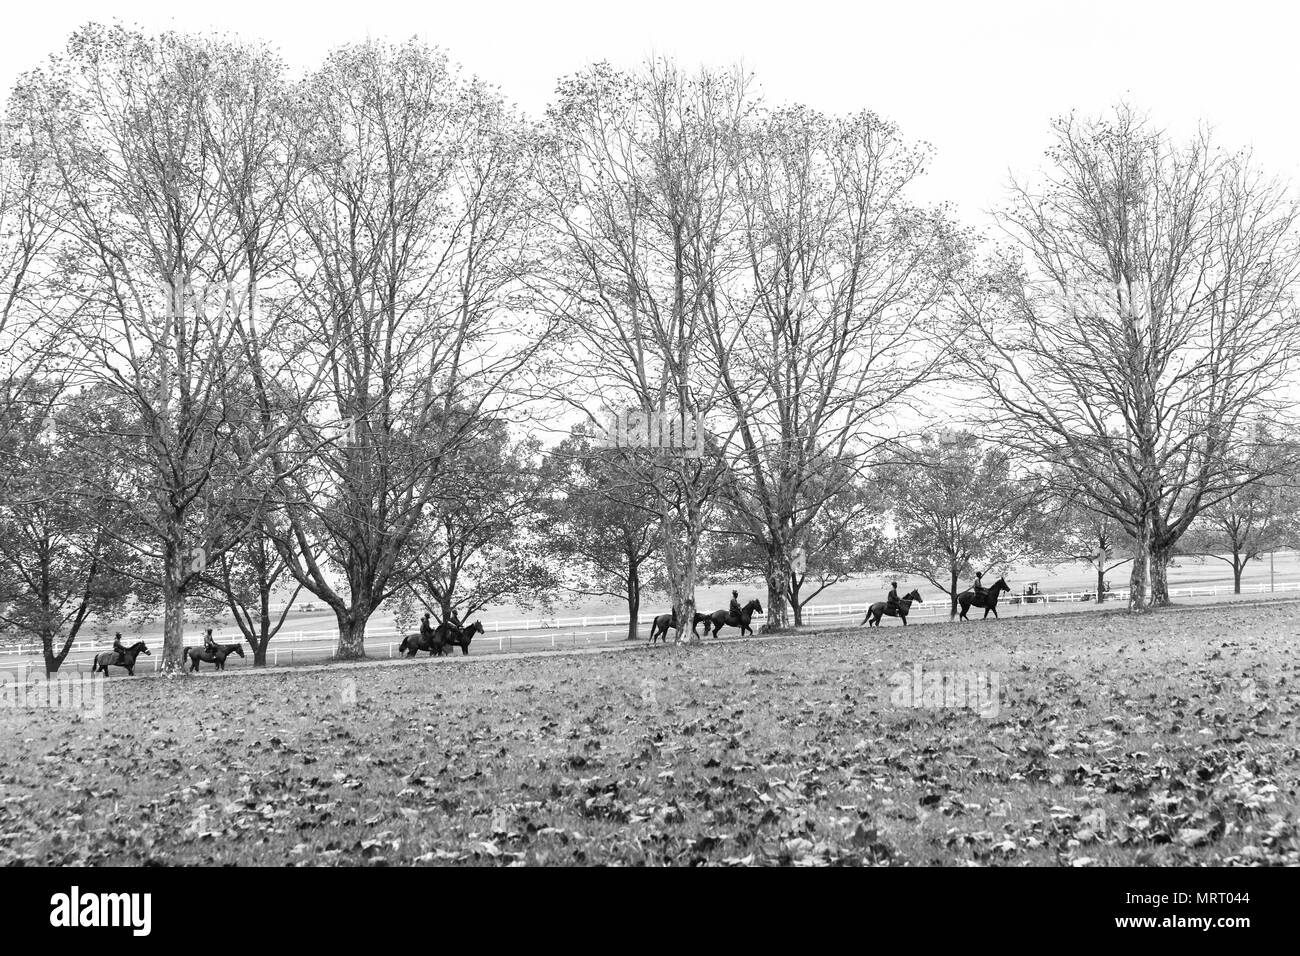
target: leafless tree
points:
(170, 160)
(641, 193)
(834, 325)
(410, 236)
(1141, 323)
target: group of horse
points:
(436, 640)
(986, 598)
(713, 623)
(441, 639)
(194, 654)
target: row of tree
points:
(266, 332)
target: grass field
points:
(1166, 740)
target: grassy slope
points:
(1170, 739)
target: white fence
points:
(544, 633)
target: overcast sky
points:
(979, 81)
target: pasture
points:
(1169, 739)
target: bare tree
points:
(410, 240)
(32, 312)
(1142, 322)
(641, 192)
(170, 158)
(833, 327)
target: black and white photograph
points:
(682, 435)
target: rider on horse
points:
(980, 589)
(119, 649)
(892, 603)
(210, 645)
(734, 608)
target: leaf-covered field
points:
(1166, 740)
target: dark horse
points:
(108, 658)
(880, 608)
(426, 640)
(447, 635)
(196, 654)
(412, 644)
(662, 624)
(988, 600)
(723, 619)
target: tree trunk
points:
(52, 660)
(633, 605)
(778, 586)
(173, 613)
(686, 619)
(796, 584)
(352, 632)
(1139, 581)
(1160, 578)
(264, 634)
(953, 595)
(680, 563)
(1237, 567)
(1149, 582)
(1101, 582)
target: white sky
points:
(980, 81)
